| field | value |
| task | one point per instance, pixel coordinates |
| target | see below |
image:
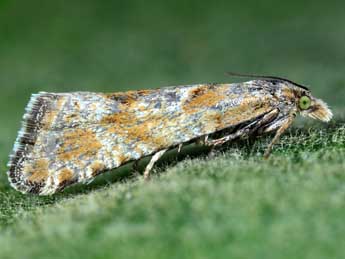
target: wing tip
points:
(27, 135)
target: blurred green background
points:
(291, 206)
(117, 45)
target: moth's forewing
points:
(72, 137)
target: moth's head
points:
(306, 104)
(309, 106)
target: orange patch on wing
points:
(248, 109)
(37, 171)
(204, 97)
(120, 118)
(97, 167)
(78, 142)
(122, 158)
(147, 131)
(65, 175)
(214, 120)
(128, 125)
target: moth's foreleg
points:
(153, 160)
(246, 130)
(221, 141)
(227, 138)
(279, 132)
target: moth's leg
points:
(279, 132)
(202, 140)
(205, 139)
(220, 141)
(154, 159)
(179, 148)
(246, 130)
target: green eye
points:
(304, 102)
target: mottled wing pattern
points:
(72, 137)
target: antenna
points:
(267, 77)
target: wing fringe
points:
(26, 139)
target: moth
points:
(73, 137)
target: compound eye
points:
(304, 103)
